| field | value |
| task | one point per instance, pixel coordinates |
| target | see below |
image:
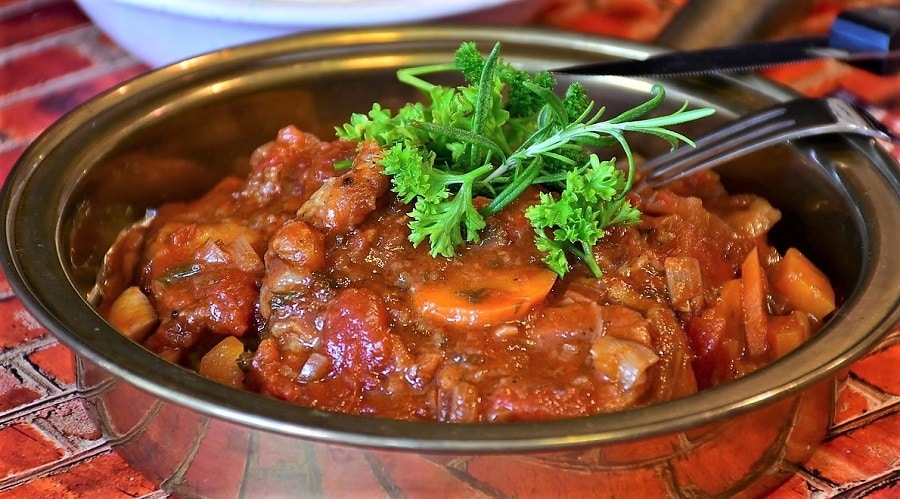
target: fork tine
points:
(780, 123)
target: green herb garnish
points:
(495, 136)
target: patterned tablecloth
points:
(52, 58)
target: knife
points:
(868, 38)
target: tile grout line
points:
(87, 36)
(66, 37)
(863, 420)
(7, 357)
(22, 413)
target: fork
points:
(802, 117)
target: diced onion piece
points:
(753, 303)
(803, 284)
(755, 219)
(684, 282)
(490, 296)
(624, 323)
(133, 314)
(244, 256)
(221, 362)
(315, 368)
(621, 361)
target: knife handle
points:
(873, 30)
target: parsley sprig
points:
(498, 134)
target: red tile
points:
(7, 160)
(24, 448)
(32, 69)
(57, 363)
(73, 420)
(105, 476)
(18, 326)
(5, 289)
(13, 393)
(880, 369)
(39, 22)
(25, 120)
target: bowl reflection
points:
(76, 187)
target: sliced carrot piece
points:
(753, 303)
(489, 296)
(221, 362)
(803, 284)
(788, 332)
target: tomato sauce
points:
(300, 283)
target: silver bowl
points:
(74, 189)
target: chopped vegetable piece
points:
(622, 361)
(490, 297)
(221, 362)
(803, 284)
(717, 335)
(787, 332)
(684, 281)
(753, 279)
(133, 314)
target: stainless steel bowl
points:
(840, 196)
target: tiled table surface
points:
(52, 58)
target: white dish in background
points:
(161, 32)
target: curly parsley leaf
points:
(501, 132)
(574, 220)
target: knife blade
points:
(868, 38)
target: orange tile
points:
(850, 404)
(815, 79)
(24, 448)
(880, 369)
(795, 488)
(876, 88)
(857, 455)
(889, 490)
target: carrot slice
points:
(803, 284)
(753, 303)
(489, 296)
